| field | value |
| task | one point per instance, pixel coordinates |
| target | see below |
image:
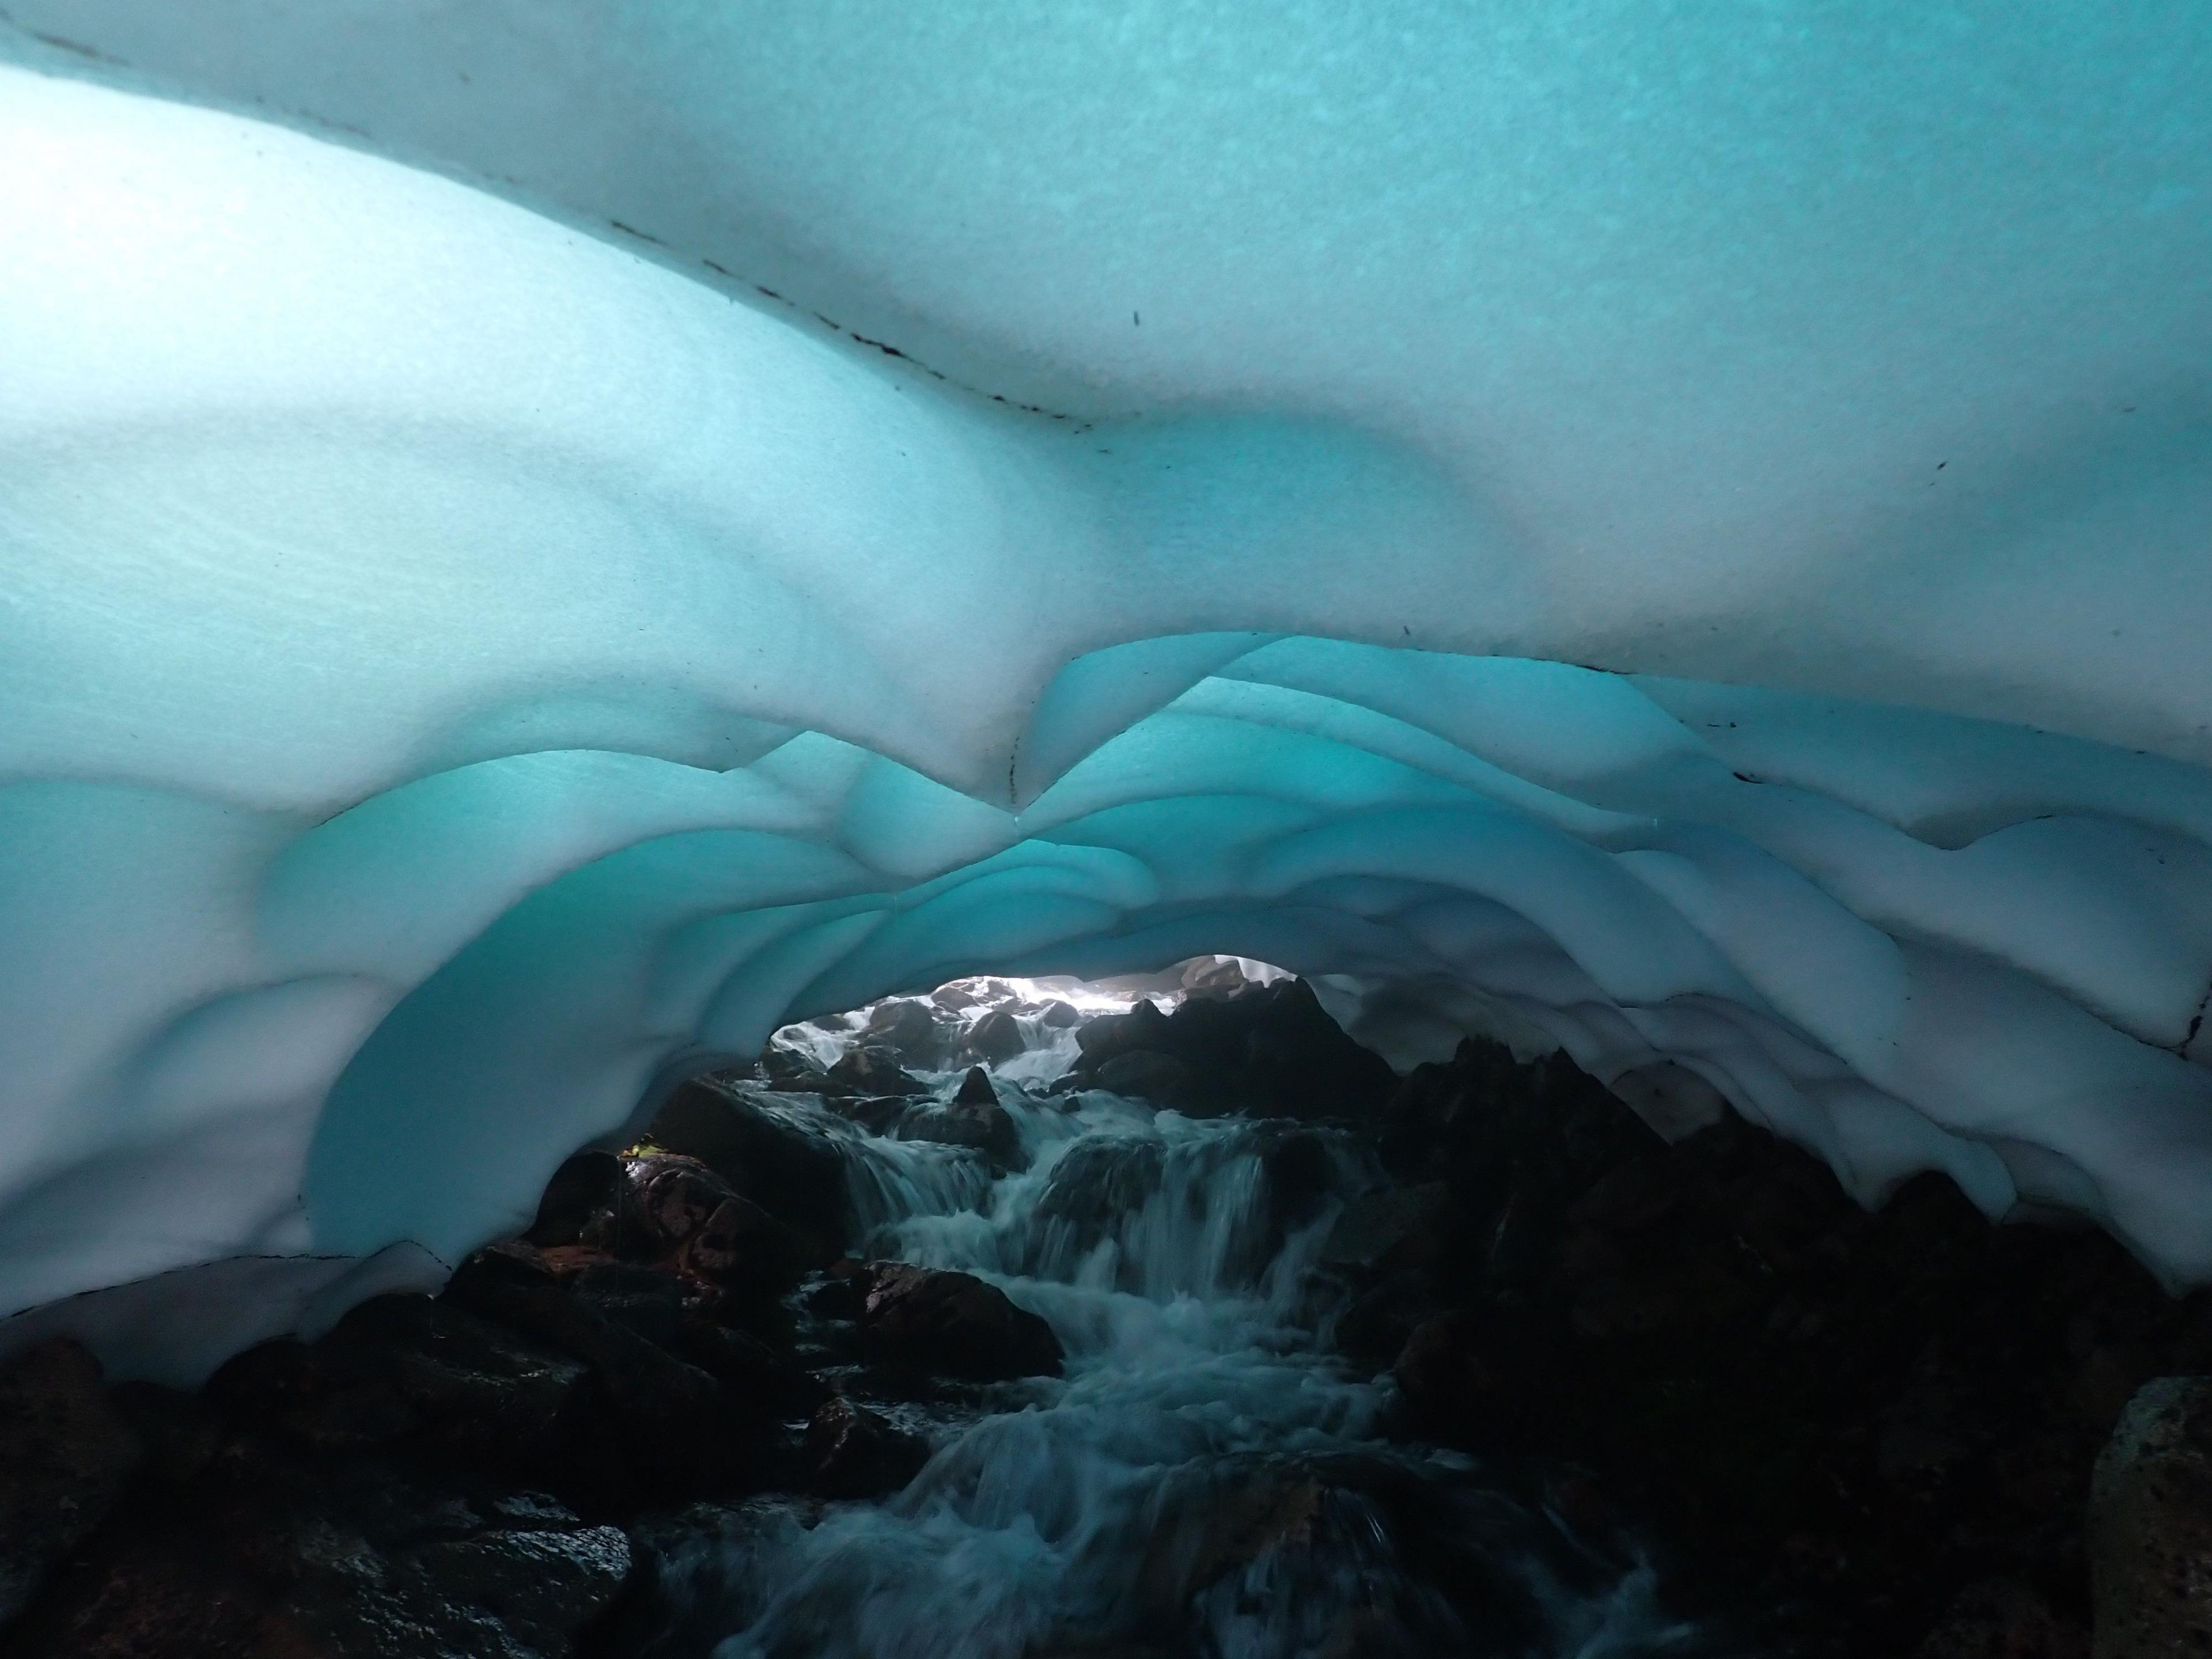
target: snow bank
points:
(459, 674)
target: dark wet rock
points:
(409, 1368)
(66, 1455)
(1143, 1027)
(1846, 1426)
(2150, 1524)
(852, 1452)
(997, 1037)
(2004, 1619)
(1374, 1328)
(797, 1177)
(879, 1114)
(1390, 1230)
(874, 1069)
(697, 1223)
(912, 1034)
(1300, 1174)
(1218, 976)
(789, 1071)
(972, 1118)
(953, 1324)
(585, 1189)
(1147, 1074)
(1343, 1549)
(264, 1556)
(1270, 1051)
(1059, 1015)
(1098, 1180)
(976, 1089)
(652, 1424)
(1453, 1382)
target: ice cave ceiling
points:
(538, 540)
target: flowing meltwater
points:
(1206, 1479)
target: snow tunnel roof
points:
(1681, 535)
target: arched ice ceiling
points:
(1678, 532)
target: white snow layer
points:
(459, 674)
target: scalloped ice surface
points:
(461, 674)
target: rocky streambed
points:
(986, 1325)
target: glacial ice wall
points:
(1688, 544)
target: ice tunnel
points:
(538, 542)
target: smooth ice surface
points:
(459, 672)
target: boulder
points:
(852, 1452)
(407, 1367)
(2003, 1618)
(1218, 978)
(874, 1069)
(997, 1037)
(696, 1221)
(1143, 1027)
(972, 1118)
(797, 1177)
(584, 1193)
(1271, 1051)
(268, 1556)
(1059, 1015)
(911, 1032)
(952, 1323)
(1390, 1230)
(66, 1455)
(1451, 1382)
(1147, 1074)
(1098, 1180)
(2150, 1524)
(878, 1114)
(1356, 1554)
(790, 1072)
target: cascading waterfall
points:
(1206, 1479)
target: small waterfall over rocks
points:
(1207, 1477)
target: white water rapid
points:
(1206, 1479)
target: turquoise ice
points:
(539, 541)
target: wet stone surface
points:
(920, 1338)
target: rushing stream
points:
(1207, 1477)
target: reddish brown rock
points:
(953, 1324)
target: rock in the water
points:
(789, 1071)
(910, 1031)
(1390, 1230)
(2003, 1618)
(852, 1452)
(797, 1177)
(1059, 1015)
(1147, 1074)
(953, 1324)
(874, 1069)
(66, 1455)
(1214, 977)
(996, 1037)
(1143, 1027)
(1243, 1539)
(401, 1367)
(266, 1557)
(972, 1118)
(586, 1188)
(2150, 1524)
(1271, 1051)
(1453, 1383)
(694, 1220)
